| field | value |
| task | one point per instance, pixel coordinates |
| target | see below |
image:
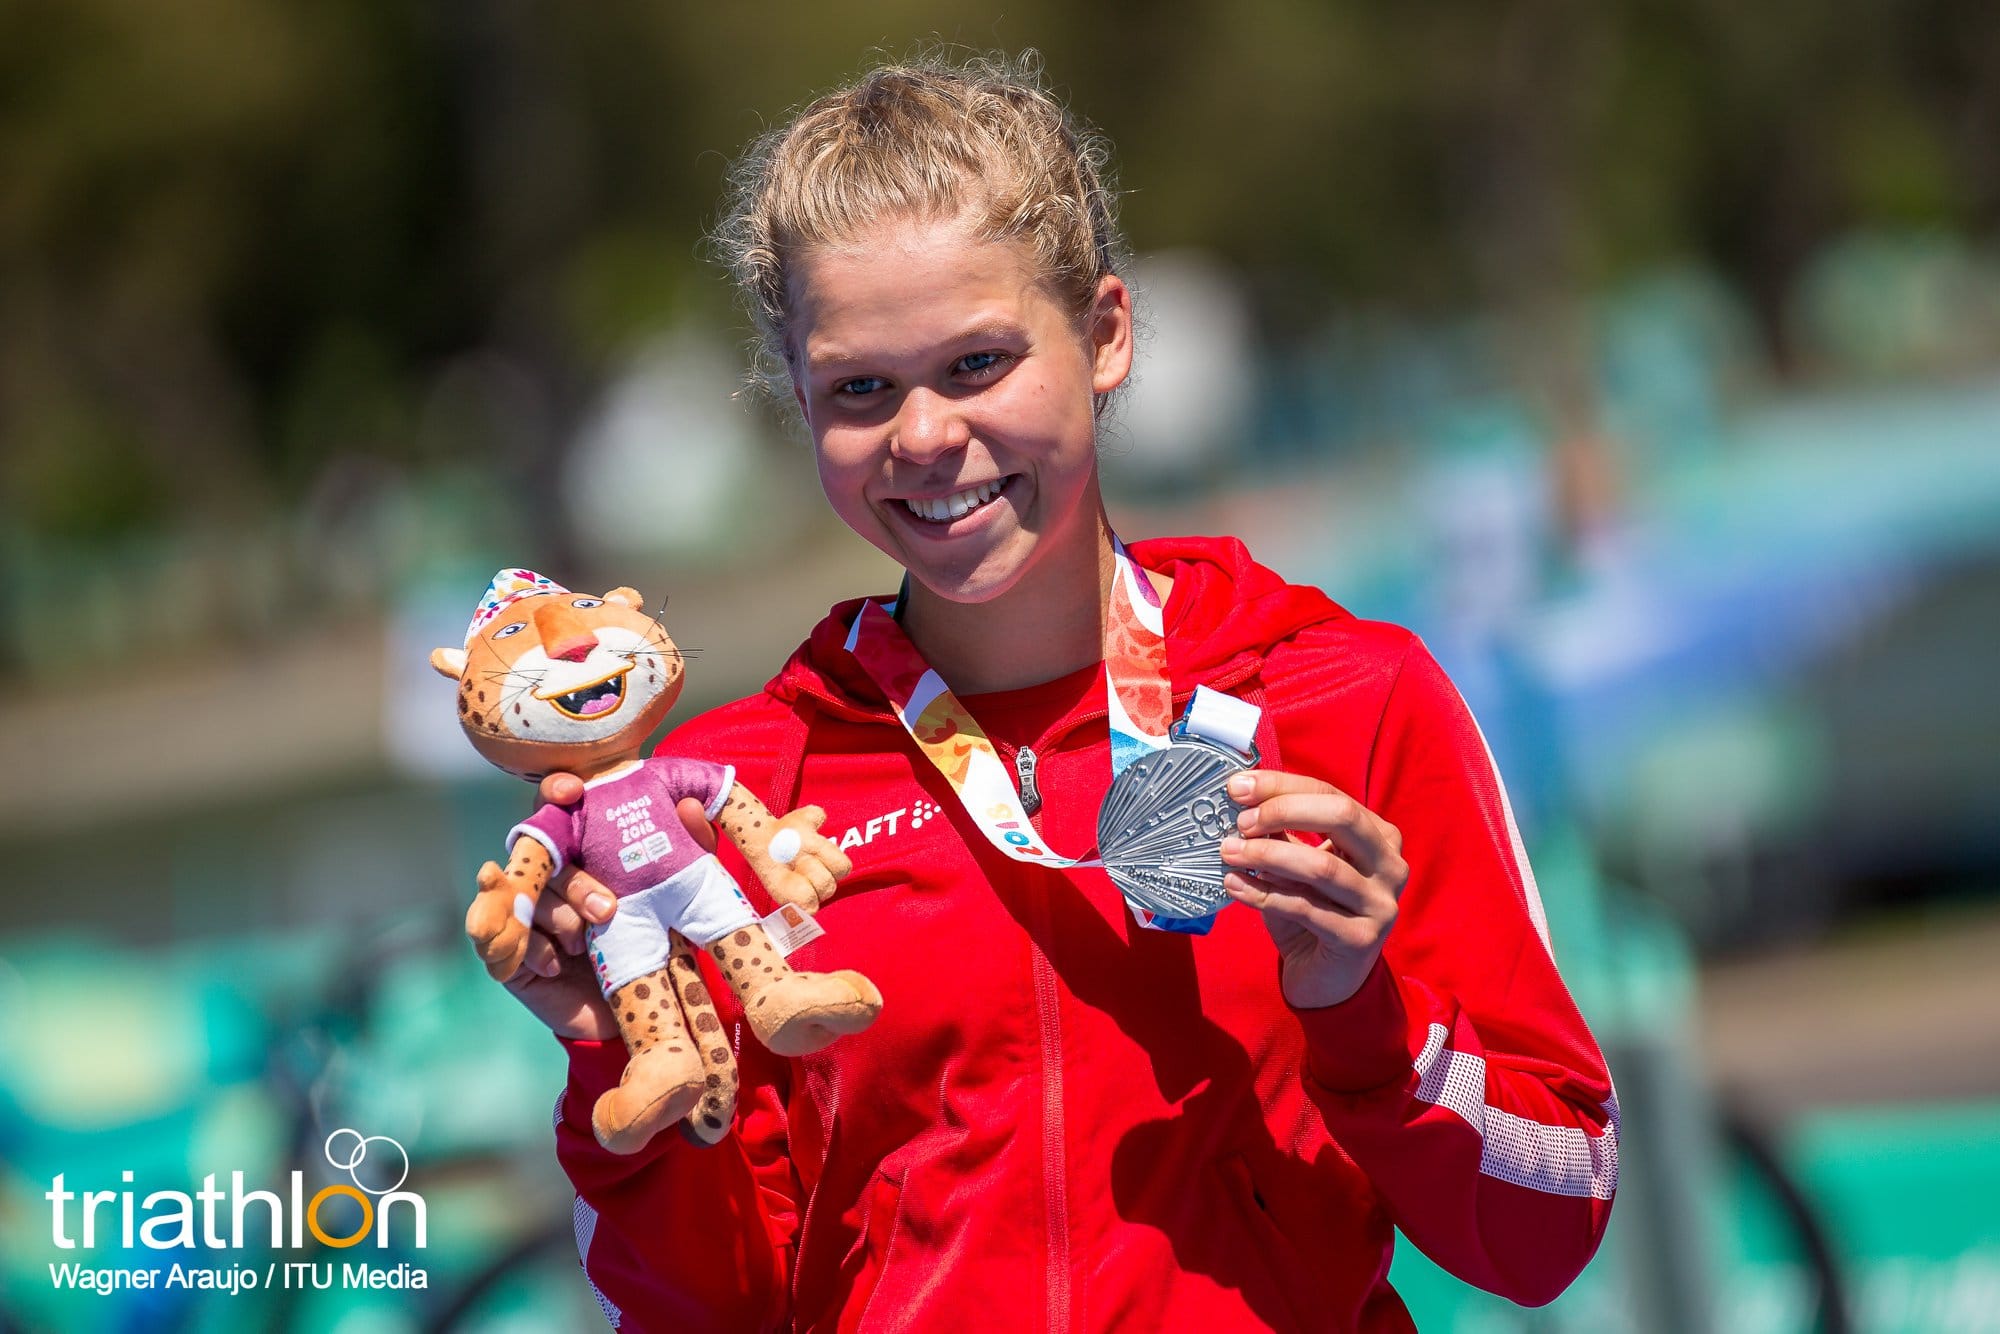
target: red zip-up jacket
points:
(1062, 1121)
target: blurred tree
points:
(240, 238)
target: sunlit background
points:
(1643, 355)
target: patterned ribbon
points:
(1138, 698)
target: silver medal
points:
(1162, 824)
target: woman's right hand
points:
(555, 980)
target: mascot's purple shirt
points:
(625, 829)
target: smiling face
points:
(952, 401)
(564, 681)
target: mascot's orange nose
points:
(566, 636)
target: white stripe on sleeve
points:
(1557, 1160)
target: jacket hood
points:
(1224, 613)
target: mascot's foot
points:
(708, 1123)
(796, 1014)
(704, 1128)
(659, 1088)
(664, 1077)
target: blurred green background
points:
(1644, 355)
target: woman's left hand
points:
(1328, 903)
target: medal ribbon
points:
(1138, 699)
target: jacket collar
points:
(1223, 615)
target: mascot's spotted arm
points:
(553, 680)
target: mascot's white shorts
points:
(701, 901)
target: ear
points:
(1109, 324)
(626, 597)
(448, 662)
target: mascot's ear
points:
(449, 662)
(627, 597)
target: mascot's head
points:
(549, 679)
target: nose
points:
(928, 426)
(566, 636)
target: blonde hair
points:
(929, 139)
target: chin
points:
(992, 577)
(969, 593)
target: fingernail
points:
(1240, 785)
(1244, 820)
(600, 904)
(1231, 846)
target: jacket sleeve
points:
(678, 1237)
(1461, 1077)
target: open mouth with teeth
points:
(594, 700)
(947, 508)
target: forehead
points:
(908, 285)
(521, 610)
(607, 613)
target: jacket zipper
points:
(1026, 761)
(1024, 773)
(1048, 1016)
(1055, 1154)
(1024, 769)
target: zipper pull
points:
(1024, 769)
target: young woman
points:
(1065, 1118)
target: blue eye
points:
(866, 384)
(974, 362)
(506, 630)
(588, 602)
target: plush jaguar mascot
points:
(554, 680)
